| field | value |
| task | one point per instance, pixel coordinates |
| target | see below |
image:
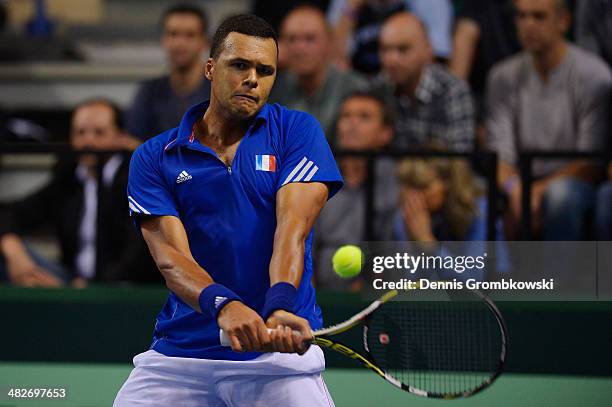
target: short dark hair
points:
(388, 116)
(186, 8)
(118, 119)
(247, 24)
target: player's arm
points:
(169, 246)
(297, 207)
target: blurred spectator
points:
(441, 201)
(274, 11)
(603, 209)
(160, 103)
(484, 35)
(357, 23)
(593, 32)
(551, 96)
(3, 16)
(363, 124)
(40, 44)
(432, 106)
(85, 201)
(310, 82)
(593, 29)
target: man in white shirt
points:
(84, 202)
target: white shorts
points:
(273, 379)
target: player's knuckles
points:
(279, 343)
(288, 335)
(265, 343)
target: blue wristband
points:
(279, 296)
(214, 297)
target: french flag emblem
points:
(265, 163)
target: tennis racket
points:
(437, 349)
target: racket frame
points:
(323, 338)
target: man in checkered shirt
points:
(432, 107)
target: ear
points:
(209, 69)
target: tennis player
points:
(226, 203)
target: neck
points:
(186, 80)
(545, 62)
(310, 83)
(218, 129)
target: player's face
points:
(404, 51)
(361, 126)
(540, 24)
(305, 42)
(243, 74)
(183, 39)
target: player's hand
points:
(291, 334)
(245, 328)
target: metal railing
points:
(488, 161)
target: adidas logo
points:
(183, 176)
(219, 301)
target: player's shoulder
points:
(153, 148)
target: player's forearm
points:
(183, 276)
(297, 208)
(287, 263)
(167, 241)
(169, 248)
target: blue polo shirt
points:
(229, 213)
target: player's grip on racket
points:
(441, 349)
(225, 339)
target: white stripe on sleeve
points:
(295, 170)
(311, 174)
(303, 172)
(139, 206)
(133, 208)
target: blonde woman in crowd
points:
(442, 201)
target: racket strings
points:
(439, 347)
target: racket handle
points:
(225, 340)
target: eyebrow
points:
(248, 62)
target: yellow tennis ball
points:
(347, 261)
